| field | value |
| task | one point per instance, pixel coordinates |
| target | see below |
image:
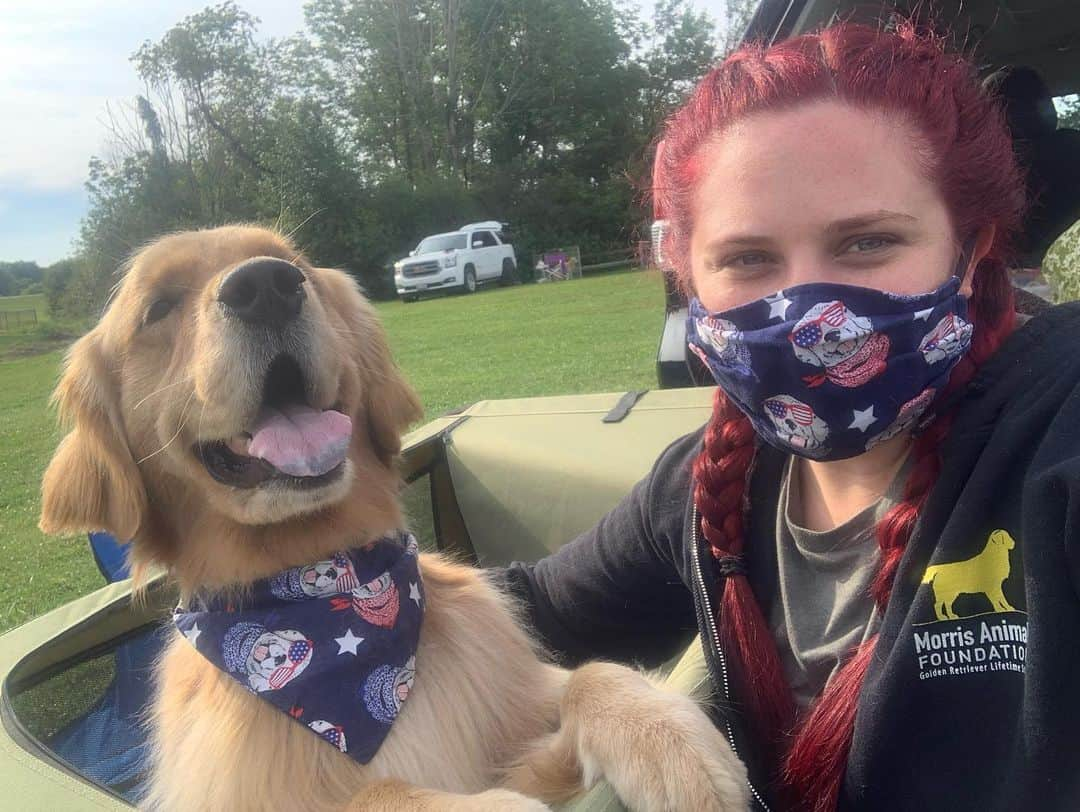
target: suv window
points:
(443, 242)
(484, 237)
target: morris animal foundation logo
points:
(965, 637)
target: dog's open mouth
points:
(291, 443)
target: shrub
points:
(1062, 265)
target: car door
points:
(486, 250)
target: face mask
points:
(828, 371)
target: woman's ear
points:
(92, 482)
(984, 240)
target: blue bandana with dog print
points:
(332, 644)
(828, 371)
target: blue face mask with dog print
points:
(332, 644)
(828, 371)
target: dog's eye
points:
(158, 310)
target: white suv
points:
(473, 254)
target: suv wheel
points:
(470, 279)
(509, 273)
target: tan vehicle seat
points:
(526, 476)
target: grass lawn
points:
(27, 340)
(591, 335)
(34, 301)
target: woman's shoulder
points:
(667, 487)
(676, 462)
(1039, 361)
(1027, 396)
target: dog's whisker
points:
(202, 413)
(345, 331)
(303, 223)
(182, 422)
(160, 390)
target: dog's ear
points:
(391, 405)
(92, 482)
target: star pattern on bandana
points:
(862, 419)
(778, 305)
(192, 634)
(348, 642)
(331, 644)
(923, 315)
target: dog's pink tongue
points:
(301, 441)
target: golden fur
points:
(488, 724)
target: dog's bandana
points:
(332, 644)
(828, 371)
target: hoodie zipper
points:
(710, 619)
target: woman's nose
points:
(806, 265)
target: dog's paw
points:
(658, 750)
(504, 800)
(391, 795)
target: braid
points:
(815, 764)
(720, 473)
(968, 152)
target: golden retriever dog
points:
(982, 574)
(207, 330)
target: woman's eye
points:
(750, 262)
(158, 310)
(867, 244)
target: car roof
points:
(486, 225)
(443, 234)
(1041, 34)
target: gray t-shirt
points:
(823, 608)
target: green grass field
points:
(593, 335)
(34, 339)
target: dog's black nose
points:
(264, 291)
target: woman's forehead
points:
(811, 166)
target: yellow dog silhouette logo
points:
(982, 574)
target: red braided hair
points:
(967, 151)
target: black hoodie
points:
(972, 699)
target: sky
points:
(65, 63)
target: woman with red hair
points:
(876, 533)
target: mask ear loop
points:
(967, 249)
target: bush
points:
(1062, 265)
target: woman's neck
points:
(833, 492)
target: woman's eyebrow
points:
(872, 218)
(739, 241)
(854, 223)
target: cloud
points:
(64, 61)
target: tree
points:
(388, 119)
(58, 286)
(1068, 110)
(17, 277)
